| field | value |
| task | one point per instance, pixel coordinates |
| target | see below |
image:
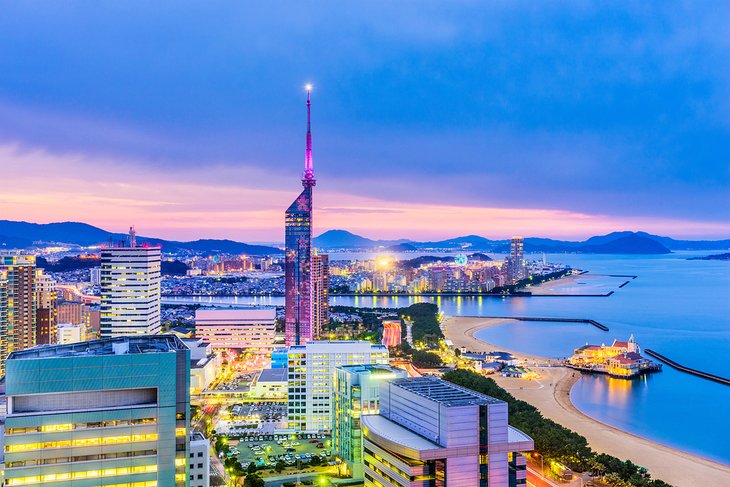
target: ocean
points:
(678, 307)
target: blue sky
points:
(170, 114)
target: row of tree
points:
(556, 442)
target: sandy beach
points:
(551, 395)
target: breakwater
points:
(598, 325)
(687, 370)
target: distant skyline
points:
(430, 121)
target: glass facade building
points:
(111, 412)
(356, 393)
(298, 270)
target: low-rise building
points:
(204, 364)
(251, 329)
(71, 333)
(270, 384)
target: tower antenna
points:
(308, 178)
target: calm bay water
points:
(678, 307)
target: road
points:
(534, 479)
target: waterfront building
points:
(70, 333)
(46, 314)
(106, 412)
(298, 254)
(250, 329)
(199, 460)
(311, 373)
(356, 394)
(432, 432)
(517, 266)
(20, 331)
(320, 294)
(620, 359)
(130, 289)
(391, 333)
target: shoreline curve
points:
(551, 395)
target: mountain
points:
(342, 239)
(713, 257)
(401, 247)
(24, 235)
(629, 244)
(613, 243)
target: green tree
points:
(422, 358)
(253, 480)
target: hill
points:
(24, 235)
(629, 244)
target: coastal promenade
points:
(550, 393)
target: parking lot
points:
(264, 411)
(292, 450)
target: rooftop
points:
(443, 392)
(106, 346)
(371, 368)
(273, 375)
(339, 343)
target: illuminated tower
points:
(298, 261)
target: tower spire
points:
(308, 178)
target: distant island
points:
(712, 257)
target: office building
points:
(106, 412)
(70, 333)
(46, 314)
(250, 329)
(130, 289)
(320, 294)
(391, 333)
(199, 460)
(95, 276)
(20, 311)
(356, 394)
(432, 432)
(311, 374)
(298, 254)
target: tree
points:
(251, 468)
(253, 480)
(422, 358)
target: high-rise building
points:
(21, 303)
(250, 329)
(517, 268)
(298, 259)
(356, 394)
(121, 417)
(320, 294)
(311, 374)
(46, 314)
(130, 289)
(3, 319)
(432, 432)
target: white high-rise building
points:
(70, 333)
(311, 375)
(130, 289)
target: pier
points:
(688, 370)
(598, 325)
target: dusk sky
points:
(430, 119)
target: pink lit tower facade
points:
(300, 326)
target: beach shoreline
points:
(551, 395)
